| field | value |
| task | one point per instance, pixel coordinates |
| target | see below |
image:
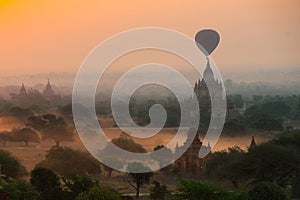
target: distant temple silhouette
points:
(253, 143)
(31, 96)
(201, 89)
(23, 92)
(49, 93)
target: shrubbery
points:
(193, 190)
(20, 190)
(268, 191)
(66, 161)
(98, 193)
(276, 161)
(11, 166)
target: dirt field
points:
(32, 155)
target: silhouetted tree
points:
(47, 183)
(225, 165)
(52, 127)
(112, 161)
(66, 161)
(128, 144)
(234, 127)
(99, 193)
(25, 135)
(20, 113)
(20, 190)
(158, 191)
(77, 184)
(58, 130)
(4, 137)
(268, 191)
(237, 99)
(140, 178)
(166, 155)
(193, 190)
(11, 166)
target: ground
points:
(30, 156)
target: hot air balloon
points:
(207, 40)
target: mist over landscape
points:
(281, 81)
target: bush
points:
(268, 191)
(47, 183)
(78, 184)
(140, 178)
(98, 193)
(128, 144)
(296, 188)
(193, 190)
(20, 190)
(66, 162)
(11, 166)
(158, 191)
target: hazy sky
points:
(56, 35)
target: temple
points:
(201, 88)
(31, 96)
(48, 93)
(190, 162)
(253, 143)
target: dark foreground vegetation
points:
(268, 171)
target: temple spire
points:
(208, 74)
(23, 90)
(253, 143)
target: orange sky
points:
(56, 35)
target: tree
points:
(11, 166)
(237, 99)
(296, 187)
(77, 184)
(173, 114)
(276, 161)
(234, 127)
(36, 122)
(20, 190)
(128, 144)
(257, 98)
(47, 183)
(297, 113)
(51, 127)
(274, 109)
(25, 135)
(66, 110)
(227, 165)
(158, 191)
(193, 190)
(268, 191)
(112, 161)
(99, 193)
(103, 108)
(4, 137)
(265, 122)
(20, 113)
(66, 161)
(139, 179)
(59, 131)
(262, 163)
(166, 155)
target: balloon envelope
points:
(208, 39)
